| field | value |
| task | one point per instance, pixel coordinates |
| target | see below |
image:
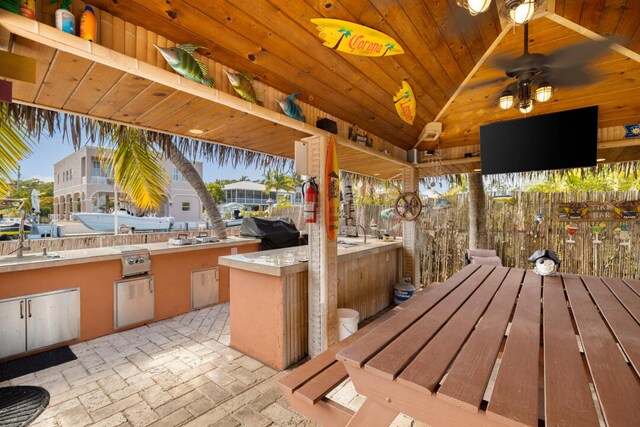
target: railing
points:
(97, 180)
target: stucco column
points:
(410, 251)
(67, 204)
(323, 261)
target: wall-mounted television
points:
(568, 139)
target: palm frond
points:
(137, 168)
(15, 145)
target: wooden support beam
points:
(410, 252)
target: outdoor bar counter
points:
(269, 303)
(93, 274)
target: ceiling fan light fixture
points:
(525, 106)
(521, 11)
(474, 6)
(544, 92)
(506, 100)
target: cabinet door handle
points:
(150, 286)
(22, 309)
(29, 307)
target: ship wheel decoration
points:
(408, 206)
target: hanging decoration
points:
(359, 135)
(405, 102)
(627, 210)
(538, 218)
(571, 230)
(597, 229)
(290, 108)
(242, 84)
(632, 131)
(332, 191)
(624, 234)
(505, 199)
(355, 39)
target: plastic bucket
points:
(347, 322)
(402, 292)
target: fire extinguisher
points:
(310, 191)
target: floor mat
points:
(36, 362)
(20, 405)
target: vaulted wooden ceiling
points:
(448, 55)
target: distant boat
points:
(11, 229)
(104, 221)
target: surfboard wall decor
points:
(356, 39)
(332, 191)
(405, 102)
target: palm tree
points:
(275, 180)
(186, 168)
(477, 212)
(389, 46)
(345, 33)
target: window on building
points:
(176, 174)
(186, 206)
(96, 168)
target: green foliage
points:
(216, 191)
(15, 146)
(581, 180)
(277, 181)
(283, 202)
(254, 214)
(22, 190)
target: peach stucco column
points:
(323, 261)
(410, 251)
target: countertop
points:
(280, 262)
(30, 261)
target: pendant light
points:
(520, 11)
(544, 92)
(525, 106)
(474, 6)
(506, 100)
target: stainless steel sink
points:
(12, 259)
(345, 245)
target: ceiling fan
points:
(539, 75)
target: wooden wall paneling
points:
(118, 35)
(152, 52)
(610, 16)
(591, 14)
(106, 30)
(573, 10)
(63, 76)
(141, 44)
(127, 88)
(95, 84)
(27, 91)
(629, 22)
(130, 40)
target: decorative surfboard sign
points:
(356, 39)
(405, 102)
(332, 191)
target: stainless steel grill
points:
(135, 261)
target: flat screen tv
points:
(568, 139)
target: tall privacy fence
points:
(517, 230)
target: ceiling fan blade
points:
(514, 66)
(569, 77)
(577, 55)
(504, 62)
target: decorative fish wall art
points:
(290, 108)
(405, 102)
(184, 63)
(241, 83)
(356, 39)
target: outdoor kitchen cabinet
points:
(133, 301)
(35, 321)
(205, 286)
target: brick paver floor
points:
(174, 372)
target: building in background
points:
(82, 184)
(252, 195)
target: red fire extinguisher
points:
(310, 191)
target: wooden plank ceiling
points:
(276, 42)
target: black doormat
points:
(20, 405)
(36, 362)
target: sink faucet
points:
(21, 247)
(364, 232)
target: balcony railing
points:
(97, 180)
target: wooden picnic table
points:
(504, 346)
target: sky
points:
(50, 150)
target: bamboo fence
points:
(514, 233)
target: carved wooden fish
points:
(242, 85)
(290, 108)
(182, 60)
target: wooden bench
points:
(307, 386)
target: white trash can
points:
(347, 322)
